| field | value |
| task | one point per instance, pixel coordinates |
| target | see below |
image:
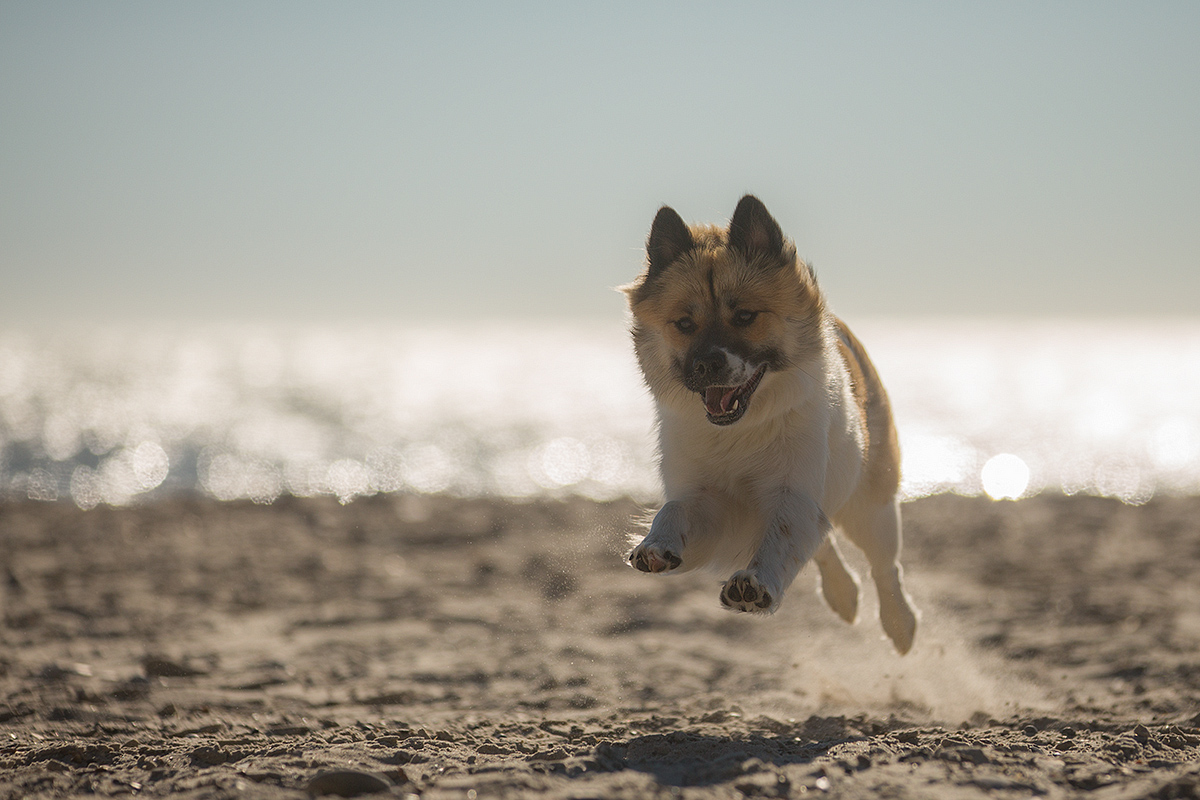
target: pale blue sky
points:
(380, 160)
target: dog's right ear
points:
(669, 239)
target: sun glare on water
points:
(1005, 477)
(523, 409)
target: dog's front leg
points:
(794, 531)
(680, 535)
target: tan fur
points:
(881, 460)
(773, 423)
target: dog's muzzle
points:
(725, 402)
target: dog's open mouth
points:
(725, 405)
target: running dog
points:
(773, 425)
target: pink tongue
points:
(717, 399)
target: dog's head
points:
(717, 312)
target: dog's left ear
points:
(753, 231)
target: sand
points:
(447, 648)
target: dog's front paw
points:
(743, 592)
(650, 558)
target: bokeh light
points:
(1005, 477)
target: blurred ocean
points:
(124, 415)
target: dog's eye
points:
(685, 325)
(744, 318)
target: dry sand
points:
(474, 649)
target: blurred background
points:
(343, 248)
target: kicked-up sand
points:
(450, 648)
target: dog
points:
(773, 425)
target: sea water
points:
(119, 415)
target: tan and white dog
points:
(774, 427)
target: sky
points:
(394, 161)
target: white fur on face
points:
(739, 369)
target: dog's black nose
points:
(707, 366)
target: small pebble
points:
(347, 783)
(974, 755)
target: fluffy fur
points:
(773, 425)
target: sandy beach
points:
(450, 648)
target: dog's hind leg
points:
(838, 583)
(876, 530)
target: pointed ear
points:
(753, 230)
(669, 239)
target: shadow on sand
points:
(689, 758)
